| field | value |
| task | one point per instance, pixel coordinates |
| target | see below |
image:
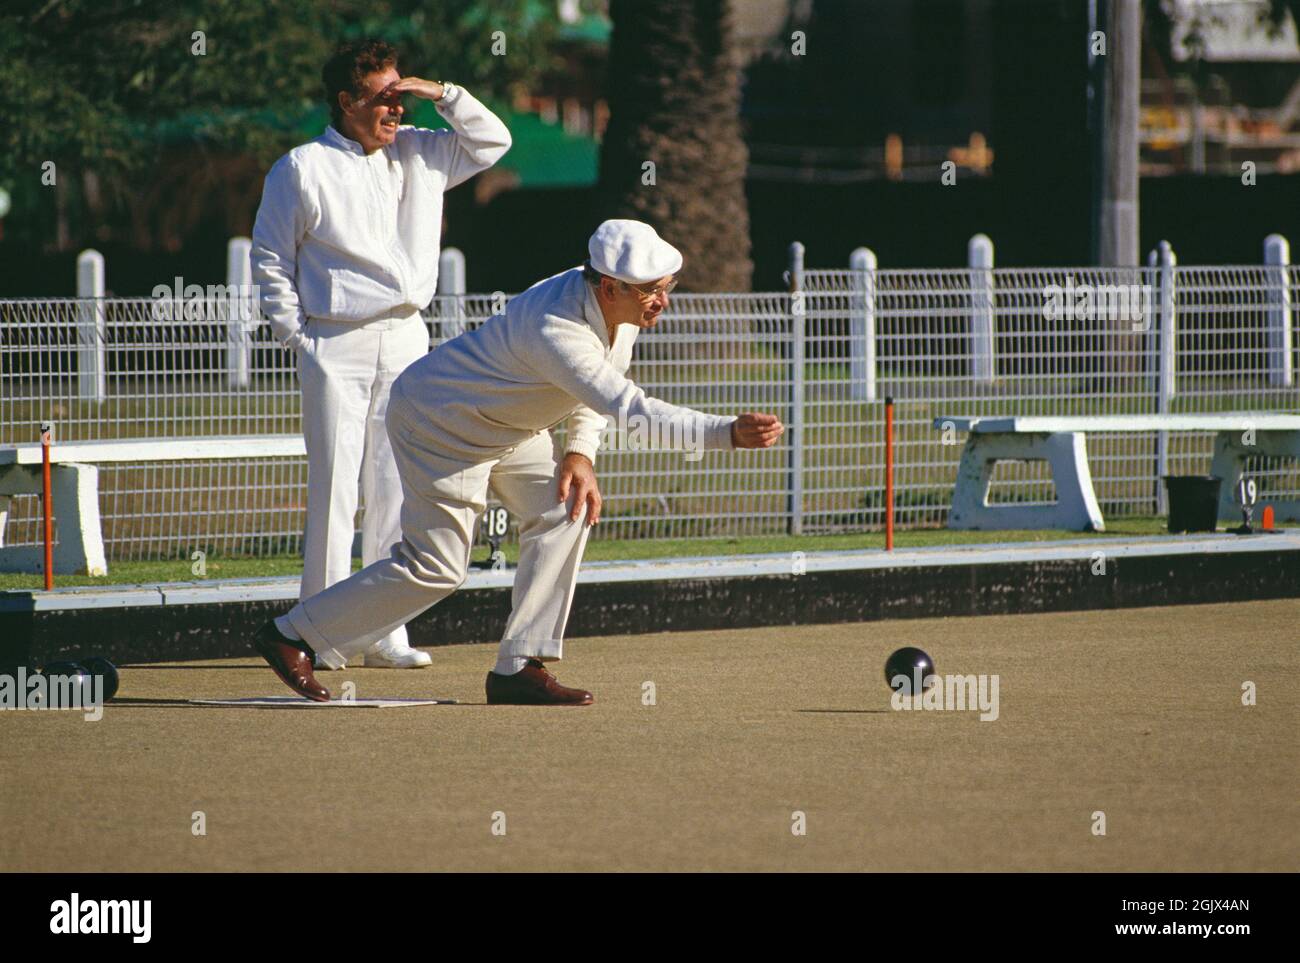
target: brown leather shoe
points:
(291, 664)
(532, 686)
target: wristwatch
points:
(448, 90)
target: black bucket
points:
(1193, 502)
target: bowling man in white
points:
(476, 414)
(345, 252)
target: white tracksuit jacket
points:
(347, 236)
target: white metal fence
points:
(942, 342)
(980, 342)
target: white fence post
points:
(240, 312)
(451, 281)
(91, 327)
(979, 258)
(862, 326)
(798, 333)
(451, 271)
(1277, 256)
(1164, 260)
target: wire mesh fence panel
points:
(1060, 341)
(118, 368)
(1237, 352)
(721, 354)
(942, 343)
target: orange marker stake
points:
(889, 474)
(1266, 521)
(46, 506)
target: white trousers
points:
(442, 499)
(346, 372)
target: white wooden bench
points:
(1060, 442)
(74, 487)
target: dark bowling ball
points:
(907, 662)
(98, 666)
(61, 694)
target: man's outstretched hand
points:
(577, 475)
(755, 430)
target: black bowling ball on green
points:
(908, 662)
(98, 666)
(60, 693)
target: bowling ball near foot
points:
(75, 671)
(98, 666)
(908, 662)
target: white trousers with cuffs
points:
(346, 372)
(442, 497)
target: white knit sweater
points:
(546, 359)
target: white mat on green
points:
(295, 702)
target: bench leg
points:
(1076, 500)
(1076, 506)
(74, 491)
(1229, 463)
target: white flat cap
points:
(631, 251)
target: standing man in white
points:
(477, 413)
(345, 252)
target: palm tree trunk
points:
(673, 154)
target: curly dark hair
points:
(349, 64)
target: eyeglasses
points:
(655, 292)
(386, 96)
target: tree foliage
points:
(108, 86)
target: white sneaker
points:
(389, 656)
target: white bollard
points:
(794, 428)
(1164, 261)
(451, 271)
(862, 326)
(1277, 256)
(91, 327)
(451, 282)
(979, 258)
(241, 312)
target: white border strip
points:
(675, 569)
